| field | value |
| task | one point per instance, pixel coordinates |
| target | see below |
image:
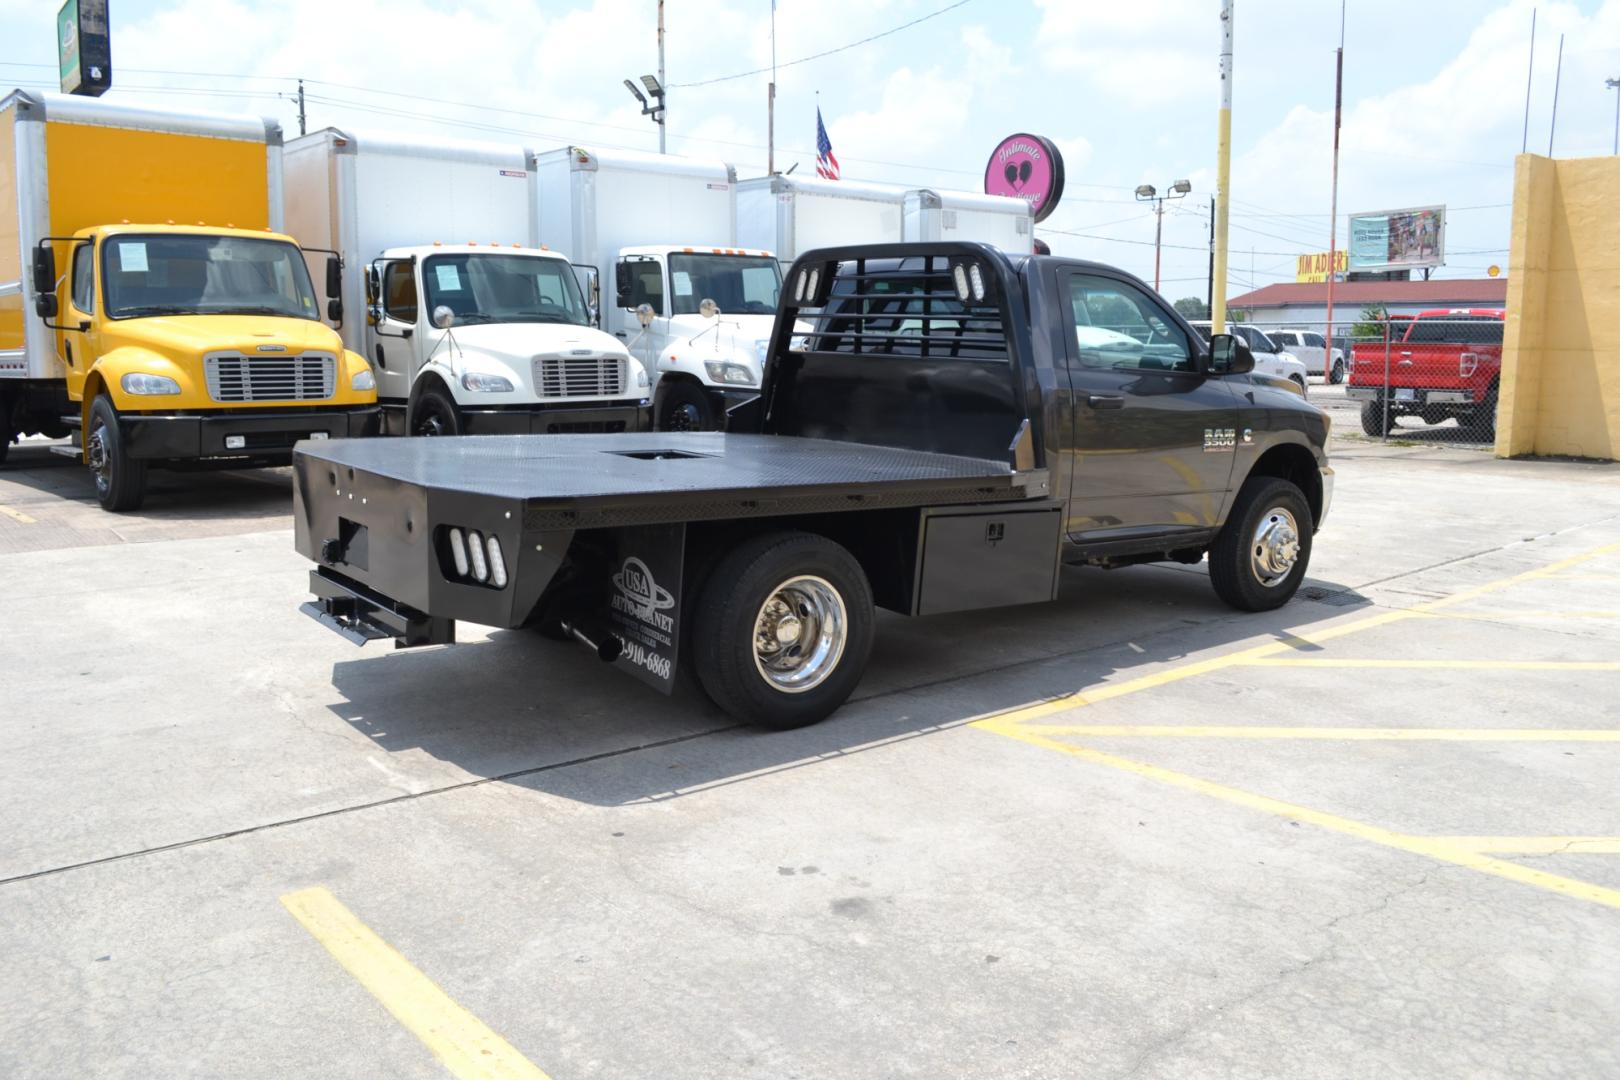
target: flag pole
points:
(770, 104)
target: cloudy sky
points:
(1434, 95)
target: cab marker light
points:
(458, 551)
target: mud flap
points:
(644, 606)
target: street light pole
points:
(1223, 171)
(1614, 84)
(1149, 193)
(663, 100)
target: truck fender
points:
(1288, 455)
(106, 375)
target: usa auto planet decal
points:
(644, 606)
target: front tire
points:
(685, 407)
(1260, 557)
(1337, 375)
(120, 479)
(434, 413)
(783, 629)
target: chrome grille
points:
(579, 376)
(234, 377)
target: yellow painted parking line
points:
(1372, 734)
(1509, 616)
(17, 515)
(1433, 847)
(457, 1038)
(1536, 845)
(1461, 665)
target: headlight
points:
(735, 374)
(484, 382)
(138, 382)
(641, 376)
(363, 380)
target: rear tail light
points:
(458, 551)
(1467, 364)
(475, 549)
(472, 557)
(497, 565)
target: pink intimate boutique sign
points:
(1027, 167)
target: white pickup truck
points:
(1310, 349)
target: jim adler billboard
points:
(1398, 239)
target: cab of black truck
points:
(941, 428)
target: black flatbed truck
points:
(956, 425)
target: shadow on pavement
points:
(520, 708)
(32, 470)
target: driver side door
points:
(392, 329)
(1153, 434)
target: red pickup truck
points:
(1441, 363)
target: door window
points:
(84, 289)
(1316, 341)
(399, 291)
(1117, 325)
(646, 284)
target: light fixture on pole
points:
(653, 108)
(1149, 193)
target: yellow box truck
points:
(149, 305)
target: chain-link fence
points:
(1426, 379)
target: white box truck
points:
(470, 325)
(790, 215)
(933, 215)
(661, 232)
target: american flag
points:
(826, 164)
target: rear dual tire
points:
(783, 629)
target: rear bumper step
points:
(359, 614)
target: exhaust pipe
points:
(606, 646)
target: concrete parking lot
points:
(1131, 833)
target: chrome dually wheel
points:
(800, 634)
(1274, 549)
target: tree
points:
(1192, 307)
(1374, 318)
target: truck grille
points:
(234, 377)
(579, 376)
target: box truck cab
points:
(480, 340)
(471, 326)
(616, 212)
(159, 344)
(708, 315)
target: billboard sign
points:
(1313, 267)
(83, 47)
(1026, 167)
(1398, 239)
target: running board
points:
(73, 421)
(67, 451)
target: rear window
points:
(905, 307)
(1456, 330)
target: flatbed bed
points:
(592, 481)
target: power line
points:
(829, 52)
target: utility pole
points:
(663, 118)
(770, 104)
(1333, 203)
(1223, 173)
(301, 107)
(1209, 289)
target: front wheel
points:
(783, 629)
(685, 407)
(120, 479)
(1259, 559)
(1337, 375)
(435, 413)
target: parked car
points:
(1442, 363)
(1268, 356)
(1311, 350)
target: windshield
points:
(740, 284)
(1257, 340)
(504, 289)
(169, 274)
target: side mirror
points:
(44, 269)
(334, 310)
(444, 317)
(373, 287)
(644, 314)
(45, 305)
(621, 284)
(709, 309)
(334, 277)
(1229, 355)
